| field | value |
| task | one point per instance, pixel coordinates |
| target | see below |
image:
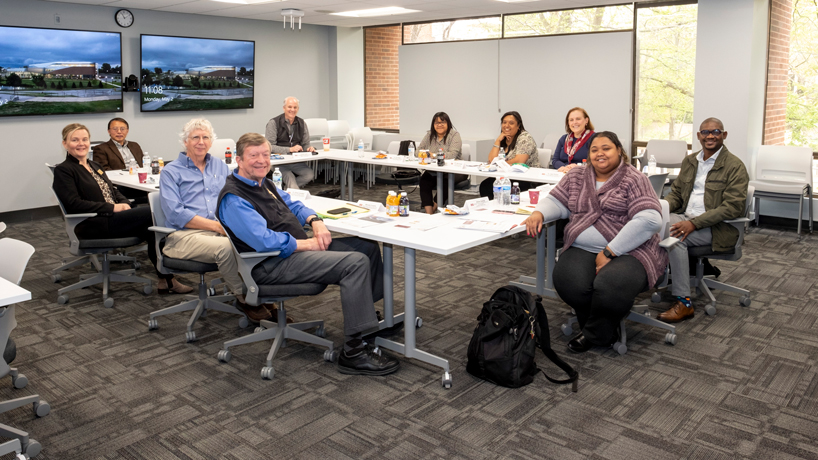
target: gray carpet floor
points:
(741, 384)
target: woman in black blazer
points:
(83, 187)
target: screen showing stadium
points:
(181, 73)
(58, 71)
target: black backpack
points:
(510, 328)
(406, 173)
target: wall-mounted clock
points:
(124, 18)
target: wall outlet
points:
(57, 19)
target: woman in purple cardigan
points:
(611, 251)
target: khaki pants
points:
(208, 247)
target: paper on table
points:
(421, 225)
(487, 226)
(299, 194)
(372, 205)
(368, 221)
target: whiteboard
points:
(540, 77)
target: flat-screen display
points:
(59, 71)
(181, 73)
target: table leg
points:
(440, 190)
(341, 169)
(451, 189)
(543, 282)
(350, 179)
(388, 286)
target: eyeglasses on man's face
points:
(707, 132)
(200, 138)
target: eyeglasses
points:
(200, 138)
(440, 123)
(120, 129)
(707, 132)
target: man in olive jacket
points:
(711, 188)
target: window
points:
(600, 19)
(454, 30)
(665, 61)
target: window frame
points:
(414, 23)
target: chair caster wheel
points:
(331, 355)
(20, 457)
(267, 373)
(744, 301)
(418, 322)
(320, 332)
(137, 265)
(447, 380)
(33, 448)
(153, 324)
(620, 348)
(20, 382)
(258, 329)
(244, 322)
(109, 302)
(656, 297)
(211, 291)
(56, 278)
(224, 356)
(567, 329)
(62, 300)
(670, 338)
(147, 289)
(710, 310)
(42, 408)
(190, 336)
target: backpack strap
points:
(573, 375)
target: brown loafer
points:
(274, 313)
(255, 314)
(678, 312)
(175, 288)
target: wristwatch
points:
(309, 222)
(608, 254)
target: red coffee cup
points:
(534, 196)
(143, 177)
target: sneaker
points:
(369, 361)
(255, 314)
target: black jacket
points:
(79, 192)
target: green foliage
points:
(597, 19)
(802, 94)
(177, 81)
(14, 80)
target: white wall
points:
(350, 82)
(287, 63)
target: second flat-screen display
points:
(181, 73)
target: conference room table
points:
(11, 293)
(437, 234)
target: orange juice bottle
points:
(392, 204)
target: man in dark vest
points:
(258, 217)
(288, 134)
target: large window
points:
(665, 68)
(599, 19)
(454, 30)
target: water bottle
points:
(502, 154)
(498, 190)
(506, 192)
(652, 164)
(361, 148)
(411, 151)
(277, 179)
(146, 162)
(515, 193)
(133, 166)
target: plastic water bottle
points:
(277, 179)
(515, 193)
(411, 151)
(501, 155)
(498, 190)
(133, 166)
(652, 164)
(361, 148)
(146, 162)
(506, 192)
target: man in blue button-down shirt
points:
(189, 188)
(258, 217)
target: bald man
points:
(289, 134)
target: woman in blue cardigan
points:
(572, 148)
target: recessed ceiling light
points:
(248, 2)
(387, 11)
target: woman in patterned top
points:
(519, 147)
(83, 187)
(441, 136)
(611, 251)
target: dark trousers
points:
(352, 263)
(131, 223)
(601, 300)
(428, 187)
(487, 187)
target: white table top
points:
(11, 293)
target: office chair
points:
(280, 331)
(16, 255)
(640, 313)
(198, 304)
(219, 147)
(784, 173)
(86, 250)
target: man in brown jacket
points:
(117, 152)
(711, 188)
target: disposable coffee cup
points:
(143, 176)
(326, 144)
(534, 196)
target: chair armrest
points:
(163, 230)
(669, 242)
(262, 255)
(80, 217)
(247, 261)
(740, 220)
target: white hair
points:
(194, 124)
(293, 98)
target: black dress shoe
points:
(580, 344)
(369, 361)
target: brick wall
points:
(381, 76)
(775, 113)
